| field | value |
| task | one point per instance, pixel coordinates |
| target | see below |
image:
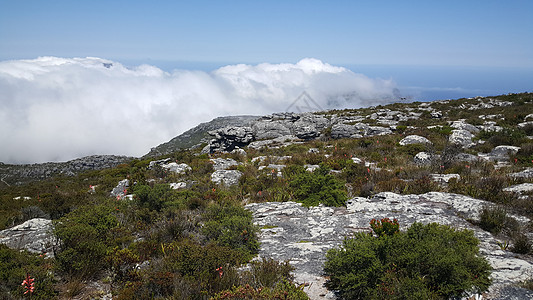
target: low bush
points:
(87, 235)
(318, 187)
(426, 262)
(231, 226)
(15, 265)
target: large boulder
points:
(503, 151)
(339, 131)
(461, 137)
(177, 168)
(265, 130)
(223, 163)
(228, 138)
(34, 235)
(414, 139)
(226, 177)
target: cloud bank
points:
(57, 109)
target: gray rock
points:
(159, 162)
(228, 138)
(520, 188)
(414, 139)
(527, 173)
(377, 130)
(423, 158)
(340, 131)
(436, 115)
(503, 151)
(461, 137)
(525, 124)
(281, 141)
(223, 163)
(178, 185)
(119, 190)
(226, 177)
(177, 168)
(443, 179)
(264, 130)
(462, 125)
(311, 168)
(34, 235)
(305, 131)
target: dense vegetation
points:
(193, 242)
(425, 262)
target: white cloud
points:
(56, 109)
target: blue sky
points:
(174, 64)
(422, 33)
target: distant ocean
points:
(420, 83)
(423, 83)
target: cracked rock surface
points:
(304, 235)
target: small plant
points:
(521, 244)
(385, 226)
(28, 284)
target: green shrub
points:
(283, 290)
(493, 219)
(231, 226)
(268, 273)
(425, 262)
(318, 187)
(15, 264)
(86, 236)
(521, 244)
(385, 226)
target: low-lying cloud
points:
(57, 109)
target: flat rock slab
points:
(304, 235)
(34, 235)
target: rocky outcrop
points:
(19, 174)
(303, 235)
(34, 235)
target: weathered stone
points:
(462, 125)
(444, 178)
(461, 137)
(178, 185)
(520, 188)
(277, 142)
(311, 168)
(527, 173)
(414, 139)
(423, 158)
(228, 138)
(377, 130)
(226, 177)
(34, 235)
(303, 235)
(436, 115)
(223, 163)
(177, 168)
(339, 131)
(264, 130)
(120, 190)
(503, 151)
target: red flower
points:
(28, 284)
